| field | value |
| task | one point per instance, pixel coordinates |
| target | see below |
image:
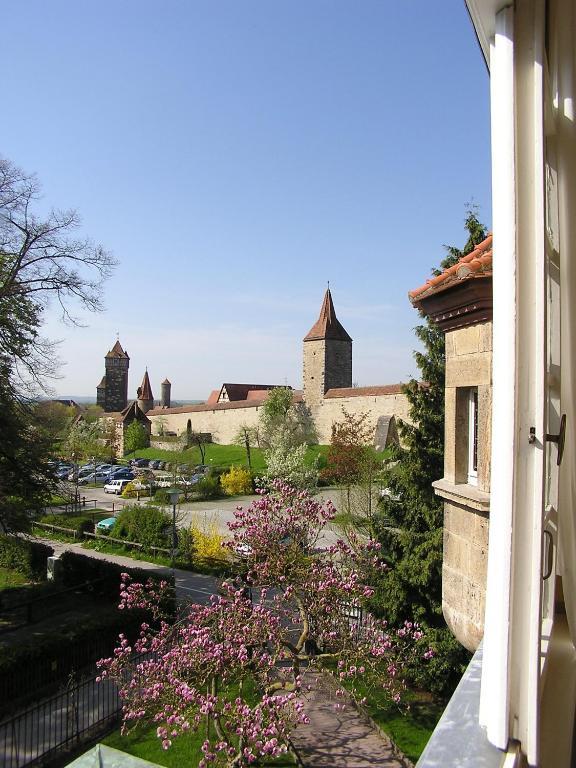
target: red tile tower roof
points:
(327, 326)
(117, 351)
(145, 392)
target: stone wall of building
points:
(466, 505)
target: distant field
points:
(220, 455)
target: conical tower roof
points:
(327, 326)
(166, 381)
(145, 388)
(117, 351)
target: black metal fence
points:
(62, 722)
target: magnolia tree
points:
(236, 669)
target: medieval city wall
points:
(223, 424)
(330, 411)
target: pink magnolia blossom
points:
(295, 606)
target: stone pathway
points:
(341, 738)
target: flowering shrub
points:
(208, 541)
(236, 482)
(295, 605)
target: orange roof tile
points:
(385, 389)
(478, 263)
(327, 326)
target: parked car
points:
(154, 464)
(116, 486)
(106, 525)
(140, 462)
(123, 474)
(94, 477)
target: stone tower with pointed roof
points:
(327, 355)
(112, 392)
(145, 396)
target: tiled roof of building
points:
(477, 264)
(145, 388)
(131, 412)
(327, 326)
(297, 398)
(102, 384)
(240, 391)
(386, 389)
(213, 397)
(117, 351)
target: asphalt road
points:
(204, 514)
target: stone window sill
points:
(463, 493)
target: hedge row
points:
(24, 556)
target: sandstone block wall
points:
(464, 572)
(466, 521)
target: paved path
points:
(341, 737)
(335, 738)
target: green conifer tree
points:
(410, 526)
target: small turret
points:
(166, 387)
(144, 394)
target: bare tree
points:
(40, 260)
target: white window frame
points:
(473, 436)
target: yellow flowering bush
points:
(237, 482)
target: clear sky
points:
(235, 155)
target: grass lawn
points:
(219, 455)
(10, 579)
(185, 750)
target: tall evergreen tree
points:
(410, 527)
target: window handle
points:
(559, 439)
(549, 556)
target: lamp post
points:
(174, 494)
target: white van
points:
(116, 486)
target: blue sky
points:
(235, 155)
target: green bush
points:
(146, 525)
(186, 546)
(162, 496)
(209, 487)
(442, 673)
(25, 557)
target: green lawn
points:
(10, 579)
(219, 455)
(185, 750)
